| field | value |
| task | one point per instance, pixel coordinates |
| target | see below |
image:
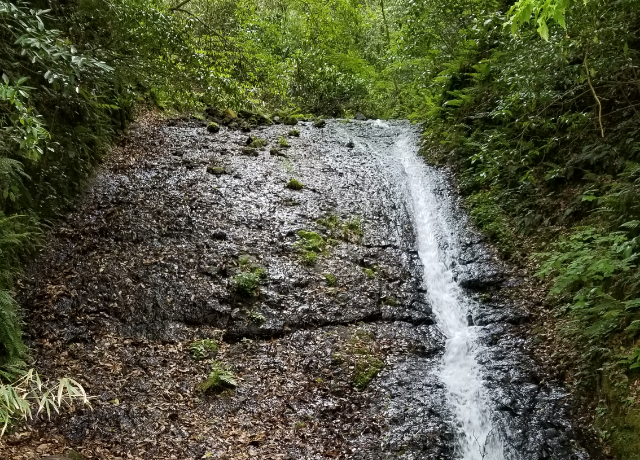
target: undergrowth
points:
(28, 396)
(219, 379)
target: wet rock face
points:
(160, 245)
(163, 250)
(314, 295)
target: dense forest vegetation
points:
(535, 105)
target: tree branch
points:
(593, 91)
(179, 5)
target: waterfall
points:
(437, 250)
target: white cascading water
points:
(460, 370)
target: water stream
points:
(437, 250)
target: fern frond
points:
(11, 346)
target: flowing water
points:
(438, 250)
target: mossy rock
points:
(366, 369)
(214, 112)
(216, 170)
(256, 142)
(250, 152)
(228, 113)
(277, 153)
(213, 127)
(289, 121)
(295, 184)
(319, 123)
(255, 118)
(283, 143)
(294, 133)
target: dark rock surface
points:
(148, 263)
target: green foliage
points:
(294, 133)
(257, 143)
(257, 317)
(220, 378)
(347, 230)
(246, 283)
(310, 246)
(541, 11)
(598, 272)
(369, 273)
(487, 214)
(201, 349)
(251, 275)
(362, 356)
(330, 279)
(283, 142)
(29, 396)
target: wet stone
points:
(348, 368)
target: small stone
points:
(219, 235)
(277, 153)
(250, 152)
(351, 144)
(216, 170)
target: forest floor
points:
(336, 358)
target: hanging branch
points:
(593, 91)
(179, 5)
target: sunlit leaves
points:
(540, 12)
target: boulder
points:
(360, 116)
(214, 112)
